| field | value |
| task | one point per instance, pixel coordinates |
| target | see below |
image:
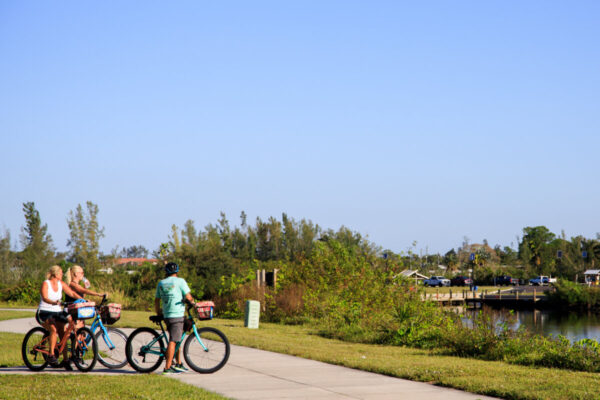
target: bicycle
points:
(111, 341)
(81, 345)
(206, 349)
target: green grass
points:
(485, 377)
(5, 314)
(494, 378)
(94, 387)
(10, 356)
(4, 304)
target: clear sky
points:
(421, 121)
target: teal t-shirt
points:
(172, 291)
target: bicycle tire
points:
(35, 338)
(137, 358)
(214, 357)
(84, 351)
(112, 358)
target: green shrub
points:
(26, 292)
(572, 295)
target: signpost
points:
(252, 314)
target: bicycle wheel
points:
(145, 349)
(84, 349)
(35, 343)
(210, 353)
(111, 348)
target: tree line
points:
(220, 256)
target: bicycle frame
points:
(60, 345)
(97, 323)
(148, 348)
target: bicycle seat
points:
(156, 318)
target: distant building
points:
(592, 276)
(413, 274)
(134, 261)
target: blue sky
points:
(404, 121)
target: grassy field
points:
(485, 377)
(4, 315)
(86, 387)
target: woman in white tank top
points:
(50, 313)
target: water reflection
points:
(573, 325)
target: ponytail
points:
(67, 277)
(71, 273)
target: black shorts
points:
(175, 328)
(42, 316)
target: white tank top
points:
(52, 295)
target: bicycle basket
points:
(205, 309)
(110, 313)
(83, 310)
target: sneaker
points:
(52, 361)
(170, 371)
(179, 367)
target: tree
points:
(85, 236)
(38, 250)
(534, 248)
(7, 261)
(135, 252)
(451, 260)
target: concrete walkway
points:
(255, 374)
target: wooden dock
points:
(508, 298)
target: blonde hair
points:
(71, 272)
(53, 271)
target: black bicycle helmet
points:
(171, 268)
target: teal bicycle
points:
(111, 341)
(205, 350)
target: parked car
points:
(506, 280)
(461, 281)
(437, 281)
(539, 281)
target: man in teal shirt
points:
(172, 291)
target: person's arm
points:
(44, 293)
(76, 287)
(187, 292)
(69, 291)
(157, 307)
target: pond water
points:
(573, 325)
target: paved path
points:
(254, 374)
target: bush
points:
(27, 292)
(572, 295)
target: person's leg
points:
(51, 328)
(169, 355)
(178, 356)
(175, 328)
(61, 334)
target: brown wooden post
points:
(450, 294)
(534, 296)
